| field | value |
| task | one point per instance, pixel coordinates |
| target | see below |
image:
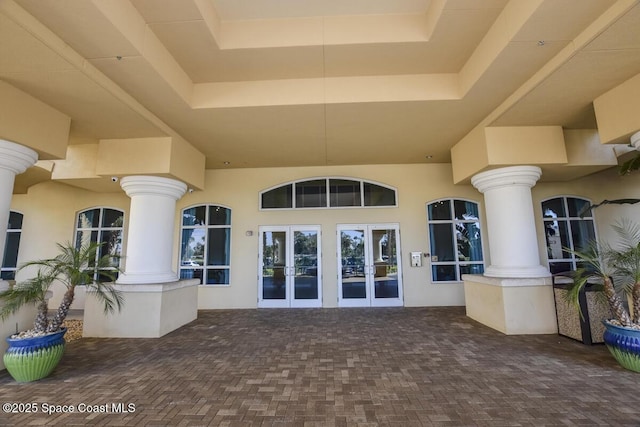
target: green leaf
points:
(630, 165)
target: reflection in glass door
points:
(369, 265)
(290, 273)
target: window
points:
(101, 225)
(328, 193)
(455, 239)
(205, 247)
(11, 246)
(565, 228)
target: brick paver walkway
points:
(333, 367)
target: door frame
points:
(289, 268)
(369, 269)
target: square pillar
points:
(511, 306)
(149, 311)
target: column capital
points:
(15, 157)
(138, 185)
(509, 176)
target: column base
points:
(517, 272)
(513, 306)
(149, 311)
(145, 278)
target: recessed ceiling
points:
(234, 10)
(320, 82)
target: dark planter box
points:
(587, 329)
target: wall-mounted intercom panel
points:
(416, 259)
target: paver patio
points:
(333, 367)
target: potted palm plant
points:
(34, 354)
(617, 269)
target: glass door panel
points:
(290, 274)
(273, 277)
(305, 259)
(352, 259)
(385, 264)
(370, 266)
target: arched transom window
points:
(328, 193)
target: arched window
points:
(565, 228)
(11, 246)
(328, 193)
(455, 239)
(101, 225)
(205, 246)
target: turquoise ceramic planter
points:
(31, 359)
(624, 345)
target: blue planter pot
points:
(624, 345)
(31, 359)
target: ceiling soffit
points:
(436, 62)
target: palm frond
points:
(74, 266)
(572, 296)
(110, 297)
(628, 232)
(30, 291)
(587, 208)
(630, 165)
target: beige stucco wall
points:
(49, 212)
(239, 190)
(50, 209)
(597, 187)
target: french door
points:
(369, 267)
(290, 267)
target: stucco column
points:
(151, 227)
(513, 243)
(635, 140)
(14, 159)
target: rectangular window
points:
(344, 193)
(11, 250)
(311, 194)
(11, 246)
(469, 241)
(217, 276)
(455, 240)
(101, 225)
(569, 226)
(205, 247)
(218, 253)
(582, 234)
(441, 242)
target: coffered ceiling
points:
(272, 83)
